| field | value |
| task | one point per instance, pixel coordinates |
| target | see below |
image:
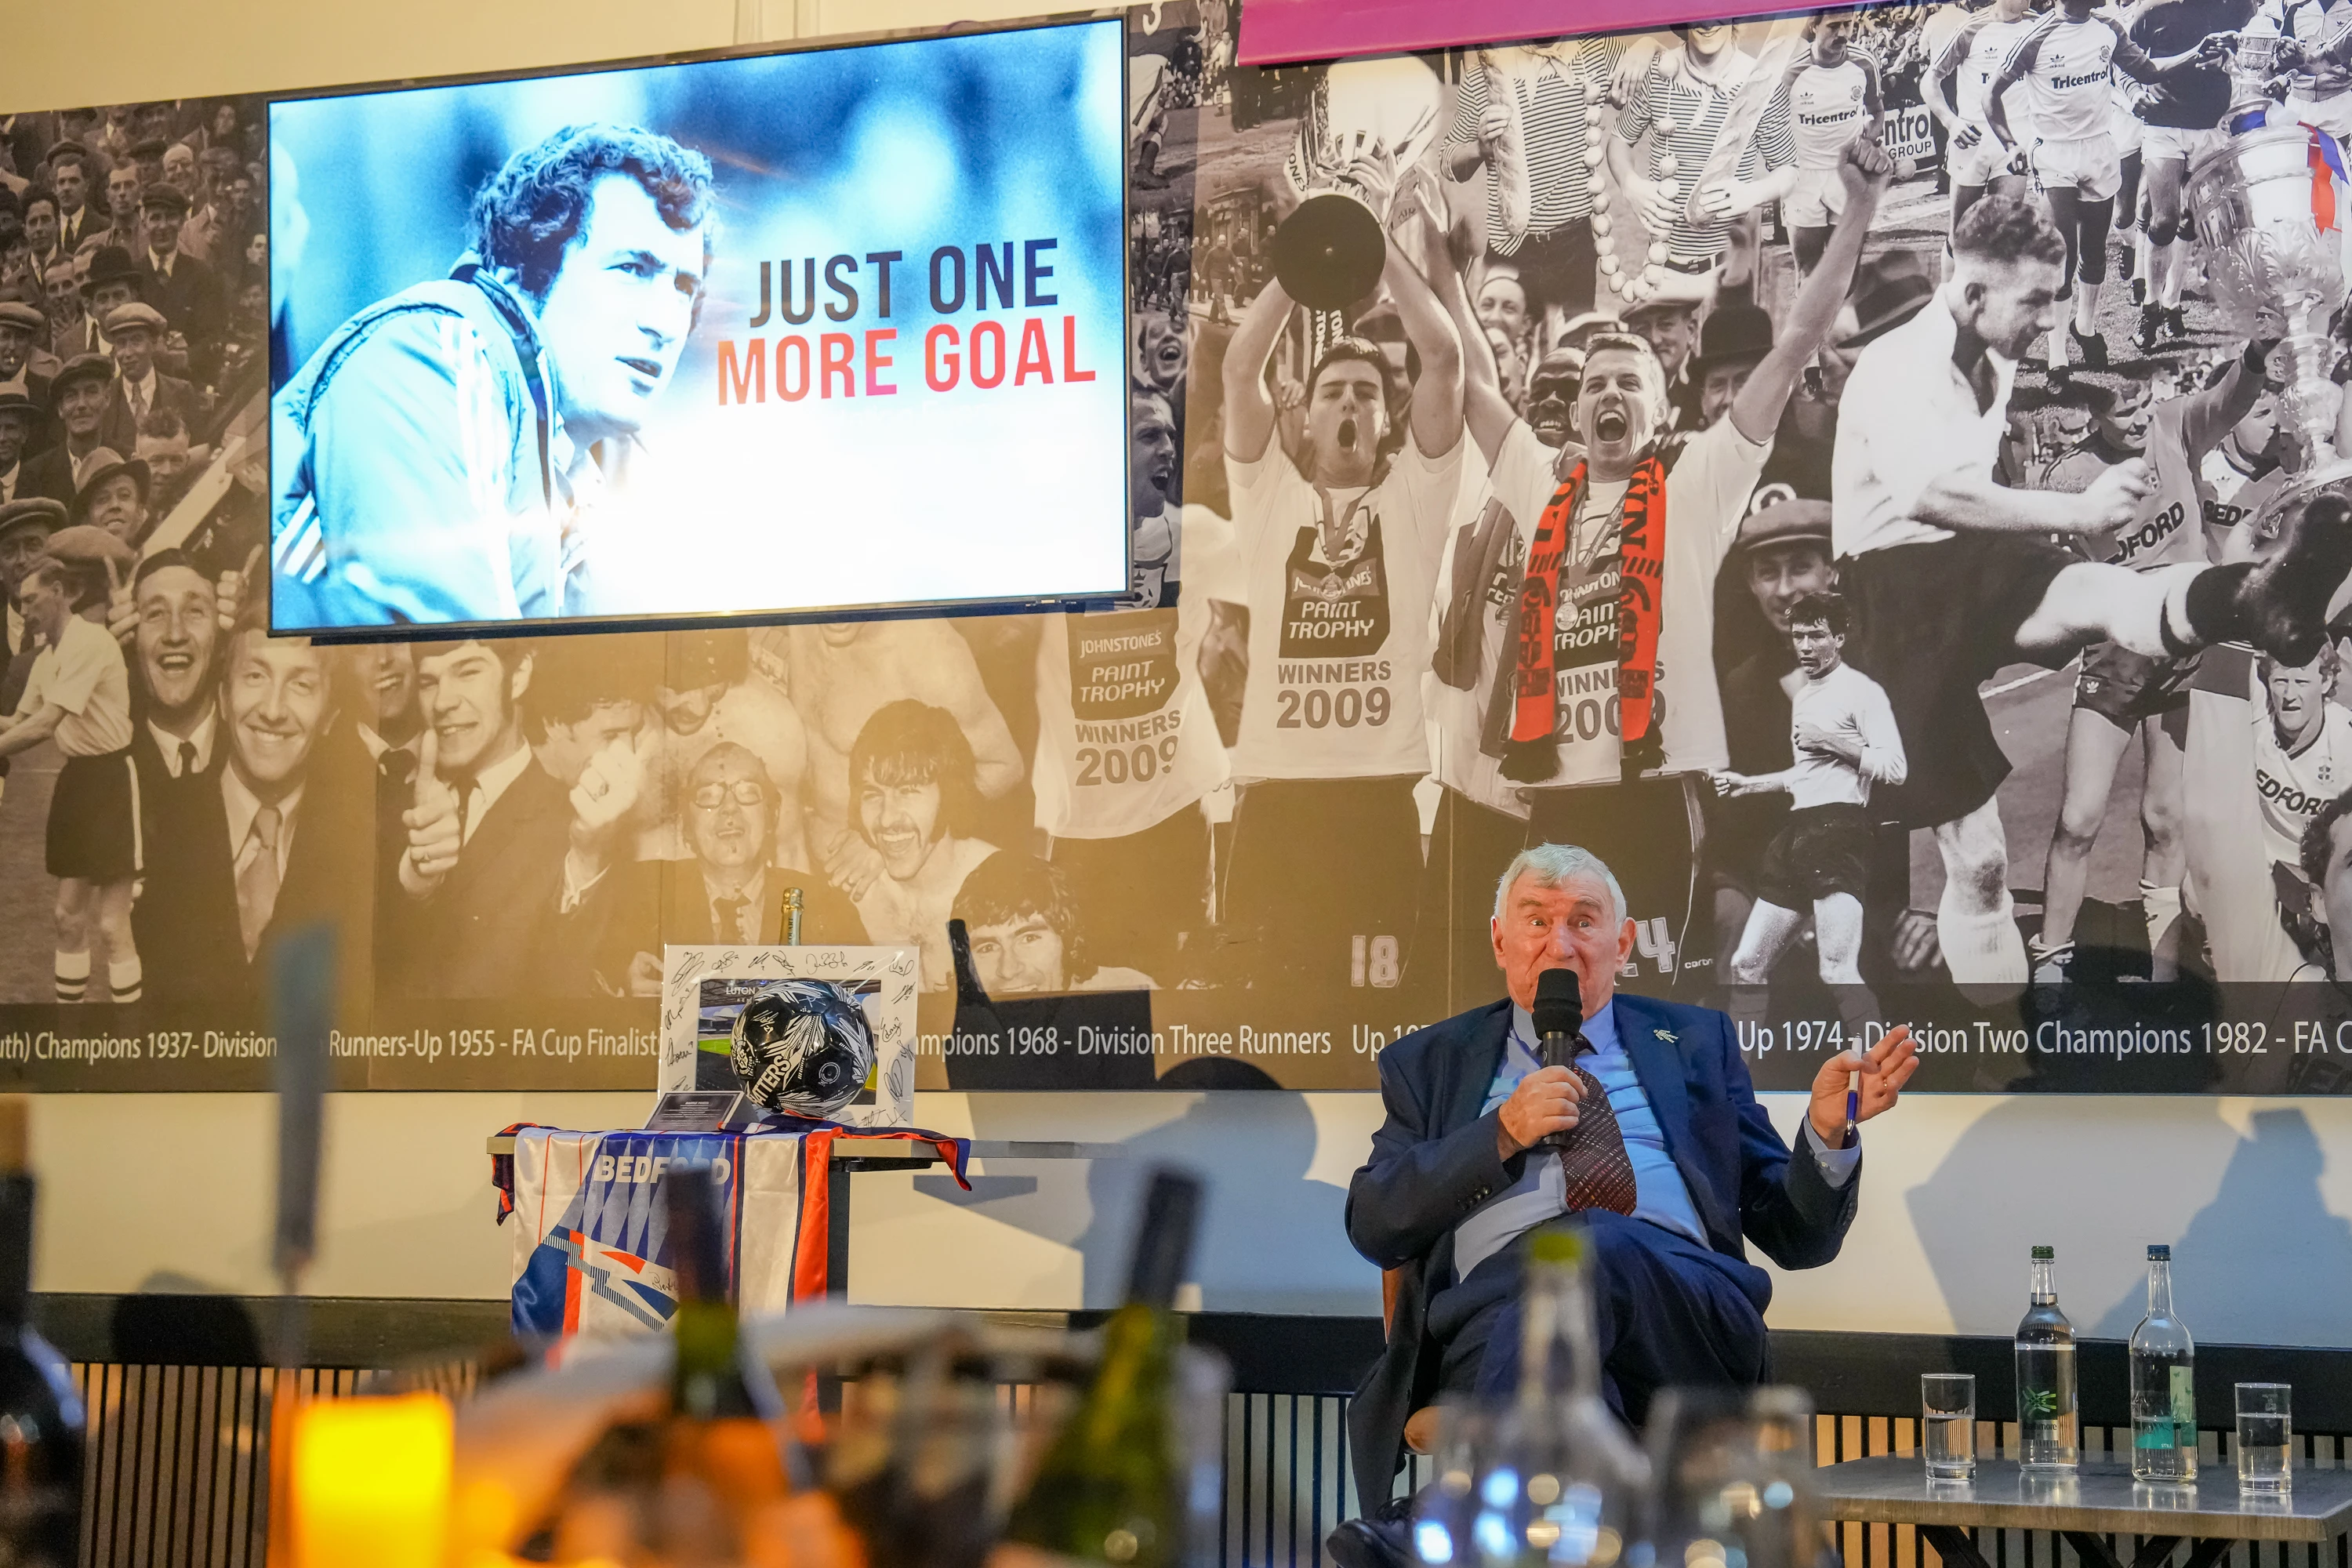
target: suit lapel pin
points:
(1666, 1035)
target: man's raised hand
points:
(121, 610)
(434, 836)
(1865, 166)
(609, 788)
(229, 592)
(1374, 173)
(1885, 1067)
(1492, 124)
(2113, 500)
(850, 864)
(1410, 206)
(1544, 1103)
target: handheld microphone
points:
(1559, 1014)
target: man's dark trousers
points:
(1665, 1311)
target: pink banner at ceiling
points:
(1274, 32)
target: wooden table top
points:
(2101, 1499)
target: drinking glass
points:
(1947, 1424)
(1731, 1478)
(2265, 1437)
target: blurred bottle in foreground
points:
(40, 1412)
(721, 1480)
(1565, 1474)
(1114, 1487)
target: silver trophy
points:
(1329, 253)
(2275, 271)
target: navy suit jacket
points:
(1434, 1161)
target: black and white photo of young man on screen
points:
(439, 457)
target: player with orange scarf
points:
(1575, 618)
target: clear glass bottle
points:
(2163, 1384)
(1565, 1472)
(2047, 1419)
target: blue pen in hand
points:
(1853, 1105)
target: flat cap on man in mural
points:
(81, 368)
(33, 514)
(164, 198)
(125, 318)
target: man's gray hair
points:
(1553, 864)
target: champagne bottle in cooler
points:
(2163, 1383)
(41, 1459)
(2047, 1418)
(1112, 1488)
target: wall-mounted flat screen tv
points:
(805, 334)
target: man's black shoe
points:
(1382, 1539)
(2175, 323)
(2093, 349)
(2150, 336)
(2280, 605)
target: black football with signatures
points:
(802, 1047)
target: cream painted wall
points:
(171, 1191)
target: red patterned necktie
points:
(1595, 1172)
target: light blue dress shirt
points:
(1539, 1195)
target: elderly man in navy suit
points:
(1669, 1162)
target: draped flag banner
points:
(590, 1242)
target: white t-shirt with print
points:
(1337, 646)
(1125, 737)
(2293, 787)
(1706, 493)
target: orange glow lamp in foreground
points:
(371, 1482)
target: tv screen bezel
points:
(548, 626)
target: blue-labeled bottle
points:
(2163, 1384)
